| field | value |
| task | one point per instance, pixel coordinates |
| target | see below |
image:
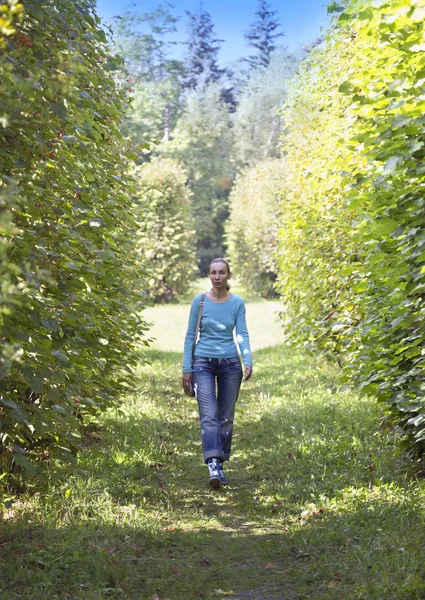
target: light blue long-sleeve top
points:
(219, 319)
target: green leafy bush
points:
(362, 294)
(167, 245)
(70, 281)
(388, 106)
(317, 257)
(202, 141)
(253, 225)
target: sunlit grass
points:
(319, 505)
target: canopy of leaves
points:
(150, 72)
(253, 225)
(351, 244)
(70, 280)
(257, 131)
(202, 140)
(166, 239)
(201, 63)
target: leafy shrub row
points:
(351, 250)
(70, 279)
(166, 238)
(253, 225)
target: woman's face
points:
(219, 275)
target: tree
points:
(202, 140)
(70, 282)
(151, 73)
(262, 35)
(252, 228)
(166, 238)
(351, 250)
(258, 121)
(201, 63)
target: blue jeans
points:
(216, 382)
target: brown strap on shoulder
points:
(198, 322)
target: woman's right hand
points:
(187, 383)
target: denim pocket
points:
(200, 360)
(234, 361)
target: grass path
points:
(319, 505)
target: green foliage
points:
(389, 124)
(153, 112)
(69, 277)
(152, 75)
(356, 280)
(316, 255)
(201, 63)
(262, 35)
(257, 132)
(166, 239)
(202, 140)
(253, 225)
(189, 125)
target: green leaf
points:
(70, 139)
(418, 15)
(23, 462)
(60, 409)
(334, 7)
(392, 163)
(60, 356)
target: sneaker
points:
(215, 479)
(223, 477)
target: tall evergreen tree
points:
(203, 48)
(262, 35)
(202, 58)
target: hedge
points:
(71, 284)
(166, 237)
(360, 246)
(251, 230)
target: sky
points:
(302, 21)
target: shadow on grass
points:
(317, 506)
(328, 555)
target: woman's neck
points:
(220, 294)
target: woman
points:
(215, 371)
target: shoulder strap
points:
(198, 322)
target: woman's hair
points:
(223, 260)
(226, 262)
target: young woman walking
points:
(212, 368)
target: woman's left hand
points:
(247, 372)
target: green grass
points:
(319, 504)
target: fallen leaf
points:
(204, 562)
